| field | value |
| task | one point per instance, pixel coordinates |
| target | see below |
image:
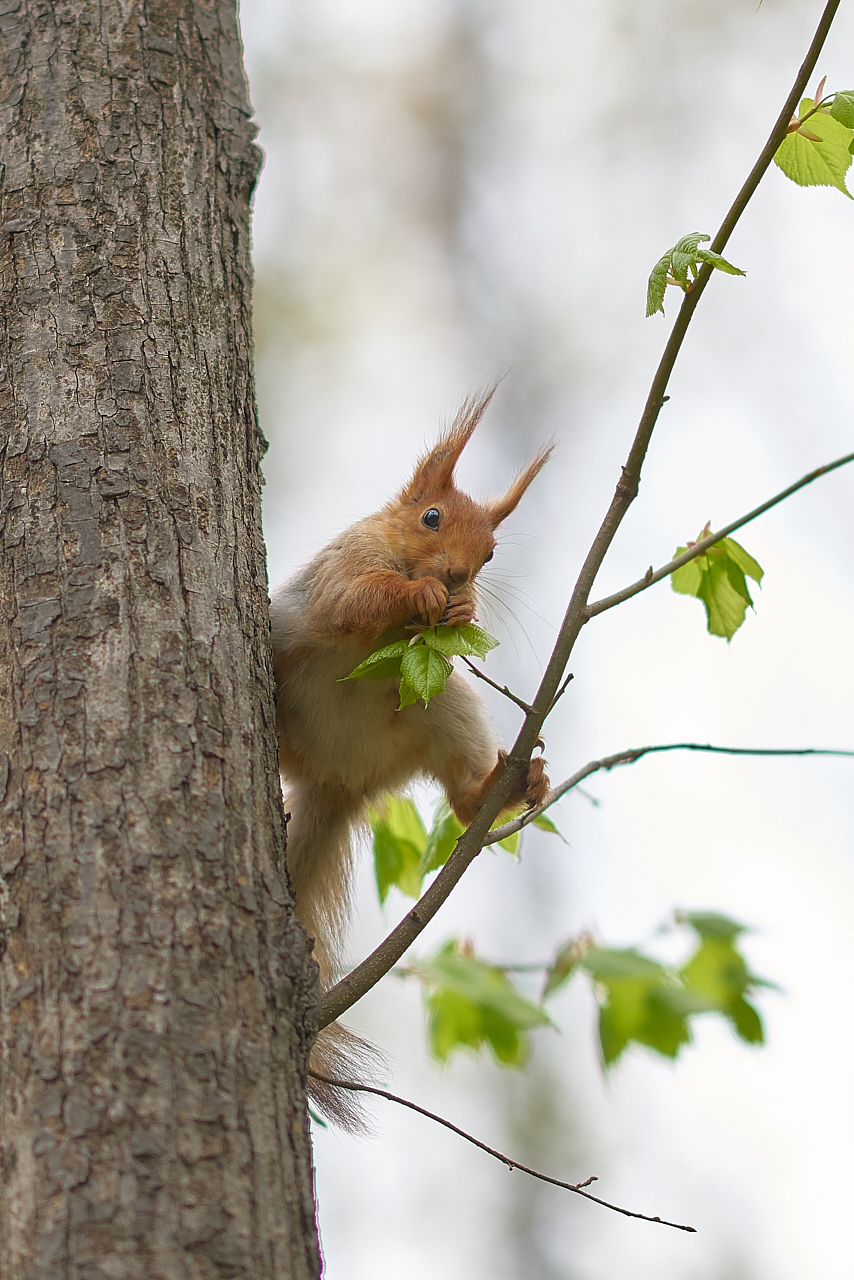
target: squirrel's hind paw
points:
(538, 785)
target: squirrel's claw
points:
(458, 612)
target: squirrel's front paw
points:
(458, 612)
(429, 599)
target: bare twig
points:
(576, 1187)
(355, 984)
(481, 675)
(635, 753)
(561, 691)
(700, 548)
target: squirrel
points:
(342, 744)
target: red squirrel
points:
(343, 743)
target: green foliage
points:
(680, 266)
(719, 579)
(471, 1004)
(399, 840)
(842, 109)
(649, 1003)
(423, 664)
(404, 852)
(817, 150)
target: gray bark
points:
(156, 994)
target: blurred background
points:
(456, 190)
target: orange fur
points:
(343, 743)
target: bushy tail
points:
(320, 863)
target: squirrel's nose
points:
(457, 575)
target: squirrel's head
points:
(441, 531)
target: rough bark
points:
(156, 996)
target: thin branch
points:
(635, 753)
(700, 548)
(576, 1187)
(366, 975)
(481, 675)
(561, 691)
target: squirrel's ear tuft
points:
(434, 473)
(499, 508)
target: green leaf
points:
(642, 1002)
(383, 664)
(680, 266)
(747, 1023)
(822, 163)
(648, 1003)
(447, 829)
(398, 846)
(709, 924)
(510, 844)
(480, 642)
(546, 824)
(719, 579)
(720, 264)
(408, 694)
(842, 108)
(564, 965)
(718, 972)
(425, 670)
(634, 1011)
(444, 834)
(606, 964)
(657, 286)
(465, 641)
(472, 1003)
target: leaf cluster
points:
(472, 1004)
(423, 663)
(405, 851)
(818, 148)
(680, 266)
(719, 579)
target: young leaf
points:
(465, 641)
(719, 973)
(720, 264)
(409, 695)
(657, 286)
(842, 108)
(423, 663)
(425, 670)
(383, 664)
(719, 579)
(510, 844)
(447, 829)
(444, 834)
(398, 845)
(638, 1003)
(680, 266)
(472, 1003)
(709, 924)
(546, 824)
(818, 155)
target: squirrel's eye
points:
(431, 518)
(489, 557)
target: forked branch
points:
(700, 548)
(361, 979)
(635, 753)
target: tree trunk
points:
(157, 996)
